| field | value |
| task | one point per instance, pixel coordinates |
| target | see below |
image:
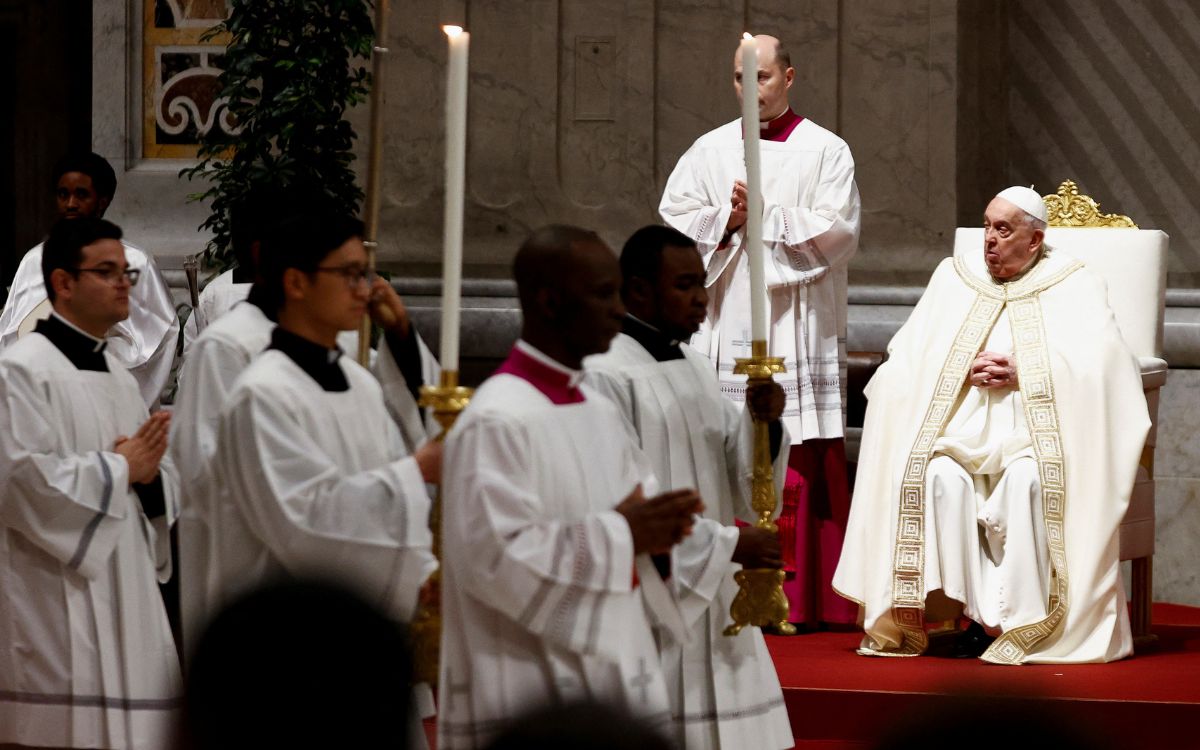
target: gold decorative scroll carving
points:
(1067, 208)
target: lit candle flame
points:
(452, 31)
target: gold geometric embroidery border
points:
(1041, 415)
(1027, 286)
(908, 564)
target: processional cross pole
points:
(374, 174)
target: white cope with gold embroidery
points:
(1087, 420)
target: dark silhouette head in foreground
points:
(580, 726)
(299, 664)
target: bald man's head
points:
(775, 77)
(771, 51)
(569, 285)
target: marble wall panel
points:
(151, 204)
(1177, 453)
(1177, 524)
(1107, 93)
(898, 101)
(1177, 490)
(580, 110)
(693, 75)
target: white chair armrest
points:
(1154, 372)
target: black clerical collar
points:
(660, 346)
(317, 361)
(84, 351)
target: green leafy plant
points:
(290, 71)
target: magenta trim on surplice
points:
(552, 384)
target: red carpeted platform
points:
(839, 700)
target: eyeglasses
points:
(112, 275)
(353, 275)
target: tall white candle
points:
(456, 159)
(753, 238)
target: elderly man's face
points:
(1009, 242)
(773, 82)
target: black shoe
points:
(964, 644)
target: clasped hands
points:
(659, 523)
(144, 451)
(993, 370)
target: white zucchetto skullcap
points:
(1027, 200)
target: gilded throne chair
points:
(1133, 264)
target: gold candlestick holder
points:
(447, 399)
(760, 601)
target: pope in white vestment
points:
(144, 343)
(88, 658)
(1006, 499)
(540, 603)
(724, 690)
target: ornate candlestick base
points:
(447, 399)
(760, 601)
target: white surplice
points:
(724, 690)
(810, 231)
(220, 354)
(309, 482)
(539, 602)
(88, 659)
(144, 343)
(219, 296)
(937, 454)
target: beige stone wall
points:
(1108, 93)
(579, 110)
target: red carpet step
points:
(838, 700)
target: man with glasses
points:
(312, 475)
(226, 347)
(88, 497)
(144, 341)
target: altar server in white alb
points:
(1000, 447)
(810, 230)
(222, 351)
(312, 475)
(143, 343)
(724, 691)
(86, 501)
(547, 529)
